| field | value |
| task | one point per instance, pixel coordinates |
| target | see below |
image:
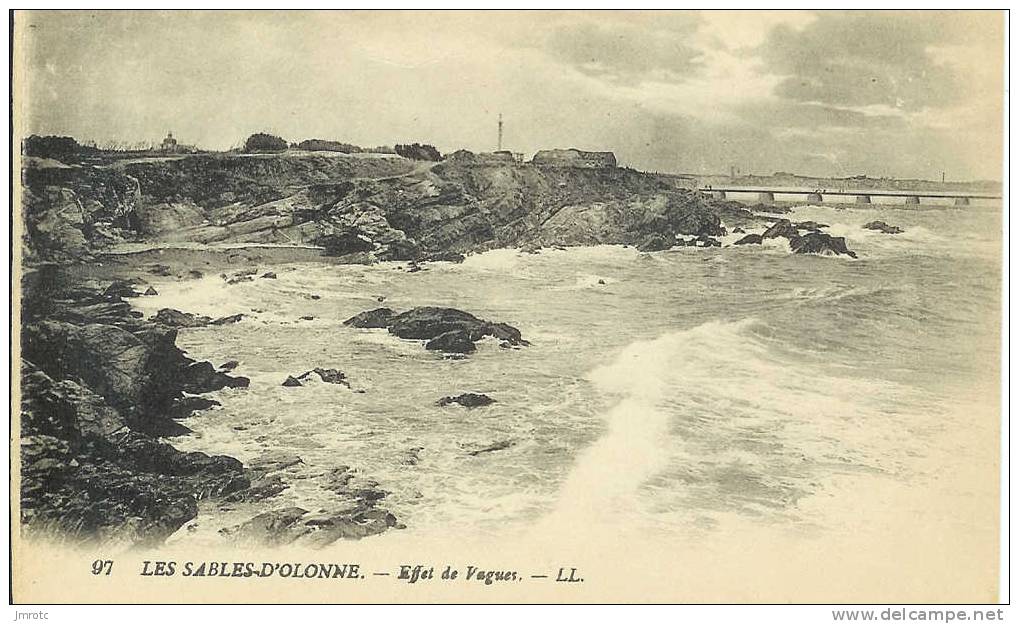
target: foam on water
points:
(696, 388)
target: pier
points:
(767, 195)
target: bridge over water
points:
(767, 195)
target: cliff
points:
(363, 208)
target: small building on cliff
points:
(574, 158)
(171, 146)
(466, 157)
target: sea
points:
(689, 392)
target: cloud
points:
(628, 48)
(667, 91)
(858, 59)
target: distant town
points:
(68, 149)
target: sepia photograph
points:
(573, 306)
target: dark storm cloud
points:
(628, 49)
(863, 58)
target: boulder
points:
(176, 318)
(269, 275)
(883, 227)
(750, 239)
(446, 329)
(810, 225)
(64, 409)
(821, 243)
(656, 242)
(782, 227)
(226, 320)
(276, 527)
(274, 461)
(121, 289)
(456, 341)
(150, 291)
(201, 377)
(328, 375)
(468, 399)
(291, 382)
(425, 323)
(186, 406)
(378, 318)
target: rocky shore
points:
(100, 387)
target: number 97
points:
(99, 565)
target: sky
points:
(902, 94)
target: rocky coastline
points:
(101, 387)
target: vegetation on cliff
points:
(262, 142)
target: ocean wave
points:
(717, 419)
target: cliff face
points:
(98, 387)
(362, 207)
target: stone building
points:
(466, 157)
(169, 144)
(574, 158)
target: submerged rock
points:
(328, 375)
(881, 226)
(810, 225)
(202, 377)
(468, 399)
(447, 329)
(456, 341)
(226, 320)
(176, 318)
(186, 406)
(276, 527)
(121, 289)
(821, 243)
(656, 242)
(491, 448)
(783, 228)
(380, 318)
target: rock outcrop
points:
(98, 384)
(467, 399)
(446, 329)
(359, 209)
(883, 227)
(822, 244)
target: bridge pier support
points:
(718, 194)
(863, 199)
(766, 197)
(912, 199)
(814, 198)
(962, 201)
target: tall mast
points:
(500, 132)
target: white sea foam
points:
(715, 413)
